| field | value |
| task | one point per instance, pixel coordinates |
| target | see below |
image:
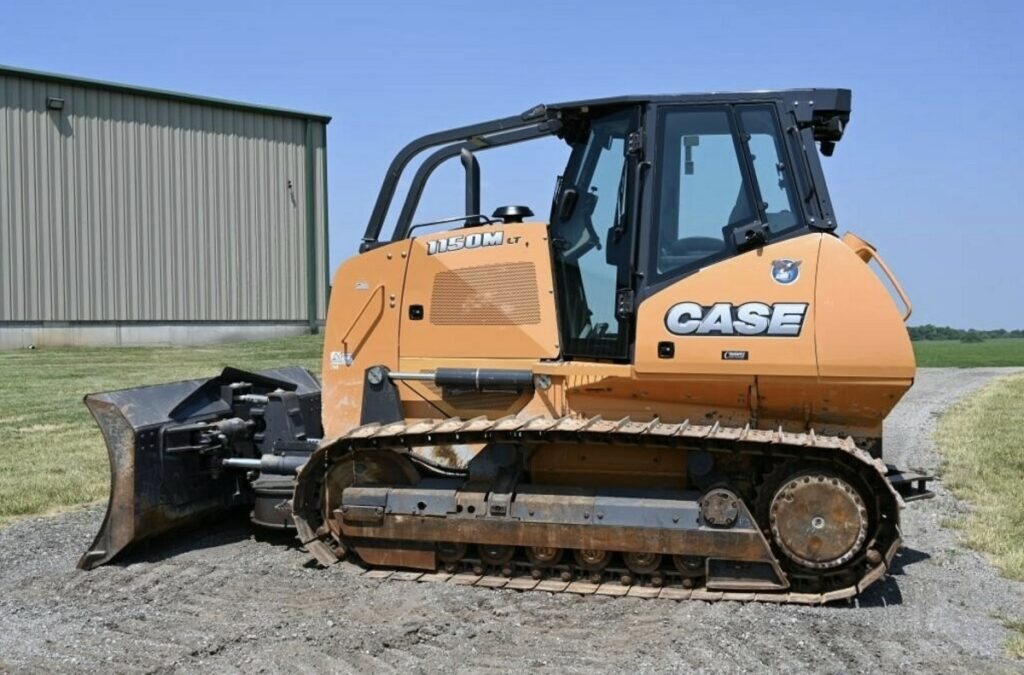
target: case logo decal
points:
(785, 271)
(782, 319)
(461, 241)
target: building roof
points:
(158, 93)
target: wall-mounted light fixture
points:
(54, 103)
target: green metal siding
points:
(130, 205)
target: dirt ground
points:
(226, 601)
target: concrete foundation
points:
(55, 334)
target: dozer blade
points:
(160, 478)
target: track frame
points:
(404, 436)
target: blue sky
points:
(931, 170)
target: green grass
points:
(956, 354)
(1015, 643)
(52, 456)
(981, 441)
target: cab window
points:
(703, 189)
(590, 245)
(766, 154)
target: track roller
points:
(543, 556)
(593, 561)
(497, 555)
(690, 566)
(642, 563)
(450, 552)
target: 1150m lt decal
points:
(461, 241)
(782, 319)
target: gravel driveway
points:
(225, 600)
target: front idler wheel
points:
(381, 467)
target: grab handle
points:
(867, 252)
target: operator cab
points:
(655, 189)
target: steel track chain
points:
(403, 436)
(615, 589)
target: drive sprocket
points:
(816, 517)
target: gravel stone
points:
(223, 599)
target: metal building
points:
(138, 216)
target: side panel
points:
(362, 330)
(781, 342)
(839, 370)
(485, 292)
(865, 358)
(860, 329)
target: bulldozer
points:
(674, 387)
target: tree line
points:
(931, 332)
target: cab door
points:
(715, 302)
(592, 240)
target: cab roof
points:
(805, 103)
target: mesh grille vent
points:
(491, 295)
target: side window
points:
(591, 260)
(702, 189)
(598, 211)
(769, 169)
